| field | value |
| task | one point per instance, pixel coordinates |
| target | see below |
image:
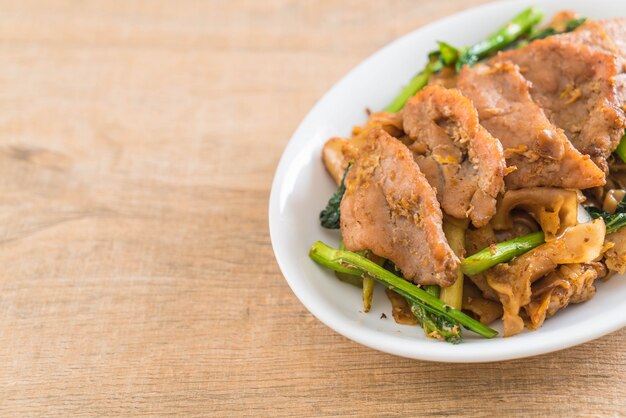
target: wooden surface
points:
(138, 140)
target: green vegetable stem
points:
(448, 55)
(500, 253)
(509, 33)
(344, 261)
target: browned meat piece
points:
(338, 152)
(540, 152)
(616, 30)
(575, 86)
(461, 160)
(512, 281)
(570, 283)
(593, 34)
(390, 209)
(607, 36)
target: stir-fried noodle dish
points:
(493, 186)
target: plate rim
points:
(391, 344)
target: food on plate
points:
(389, 209)
(578, 95)
(511, 281)
(461, 160)
(537, 152)
(494, 185)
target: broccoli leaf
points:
(613, 221)
(449, 54)
(435, 325)
(574, 23)
(330, 216)
(544, 33)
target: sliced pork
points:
(575, 86)
(390, 209)
(538, 153)
(608, 36)
(338, 152)
(461, 160)
(616, 30)
(593, 34)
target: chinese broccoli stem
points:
(368, 293)
(353, 278)
(416, 84)
(506, 35)
(518, 26)
(347, 260)
(500, 253)
(549, 31)
(454, 229)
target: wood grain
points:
(138, 141)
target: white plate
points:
(302, 187)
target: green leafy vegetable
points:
(544, 33)
(330, 216)
(347, 261)
(500, 253)
(436, 325)
(515, 34)
(417, 83)
(432, 324)
(449, 54)
(613, 221)
(574, 23)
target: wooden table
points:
(138, 141)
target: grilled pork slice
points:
(608, 36)
(461, 160)
(338, 152)
(541, 154)
(390, 209)
(593, 34)
(616, 30)
(575, 86)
